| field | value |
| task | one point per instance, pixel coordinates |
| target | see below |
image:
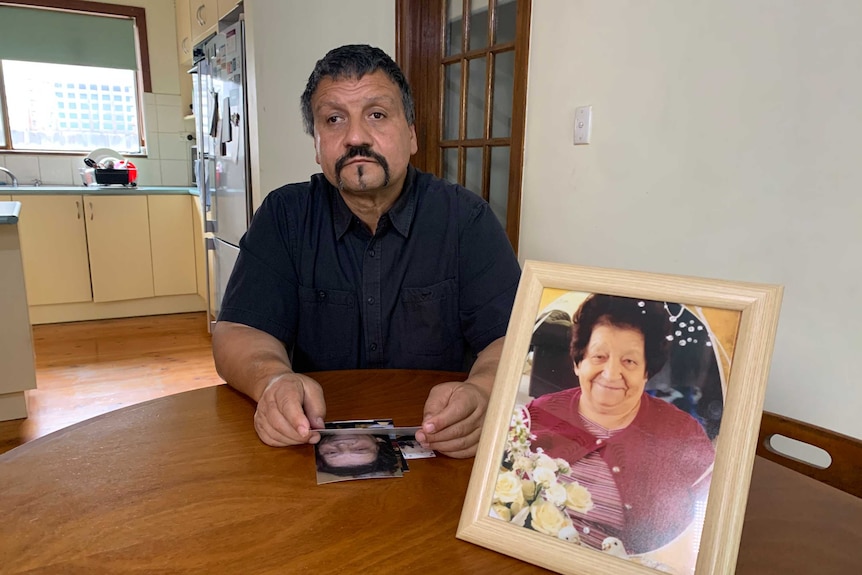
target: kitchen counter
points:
(16, 340)
(9, 212)
(49, 189)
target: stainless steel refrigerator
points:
(222, 166)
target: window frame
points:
(144, 81)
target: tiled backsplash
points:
(167, 161)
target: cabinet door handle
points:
(199, 15)
(185, 45)
(78, 208)
(91, 211)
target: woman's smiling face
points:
(613, 372)
(348, 450)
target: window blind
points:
(56, 37)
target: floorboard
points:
(84, 369)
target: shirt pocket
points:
(430, 324)
(327, 325)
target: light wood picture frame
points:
(740, 319)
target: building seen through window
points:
(71, 108)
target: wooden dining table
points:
(182, 484)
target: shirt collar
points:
(400, 214)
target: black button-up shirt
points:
(429, 289)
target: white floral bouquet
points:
(529, 492)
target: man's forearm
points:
(484, 369)
(248, 359)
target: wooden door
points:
(466, 61)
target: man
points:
(370, 264)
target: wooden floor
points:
(88, 368)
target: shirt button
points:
(586, 530)
(321, 294)
(373, 347)
(628, 506)
(371, 253)
(599, 442)
(615, 469)
(370, 300)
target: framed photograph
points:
(621, 432)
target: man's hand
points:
(289, 407)
(455, 411)
(255, 363)
(452, 423)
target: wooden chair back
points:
(845, 471)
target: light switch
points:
(583, 121)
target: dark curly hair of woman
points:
(646, 316)
(387, 461)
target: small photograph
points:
(370, 452)
(411, 449)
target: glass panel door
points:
(478, 99)
(469, 80)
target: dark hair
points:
(646, 316)
(354, 61)
(386, 462)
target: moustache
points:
(363, 152)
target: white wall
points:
(725, 143)
(285, 38)
(167, 160)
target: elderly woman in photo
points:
(645, 462)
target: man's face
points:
(361, 137)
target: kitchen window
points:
(56, 63)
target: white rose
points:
(508, 488)
(523, 463)
(544, 476)
(546, 518)
(563, 466)
(556, 494)
(546, 462)
(578, 498)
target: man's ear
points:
(414, 141)
(316, 141)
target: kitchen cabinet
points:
(95, 256)
(184, 31)
(204, 19)
(172, 242)
(5, 198)
(118, 237)
(16, 339)
(54, 249)
(204, 16)
(225, 6)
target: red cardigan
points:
(655, 462)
